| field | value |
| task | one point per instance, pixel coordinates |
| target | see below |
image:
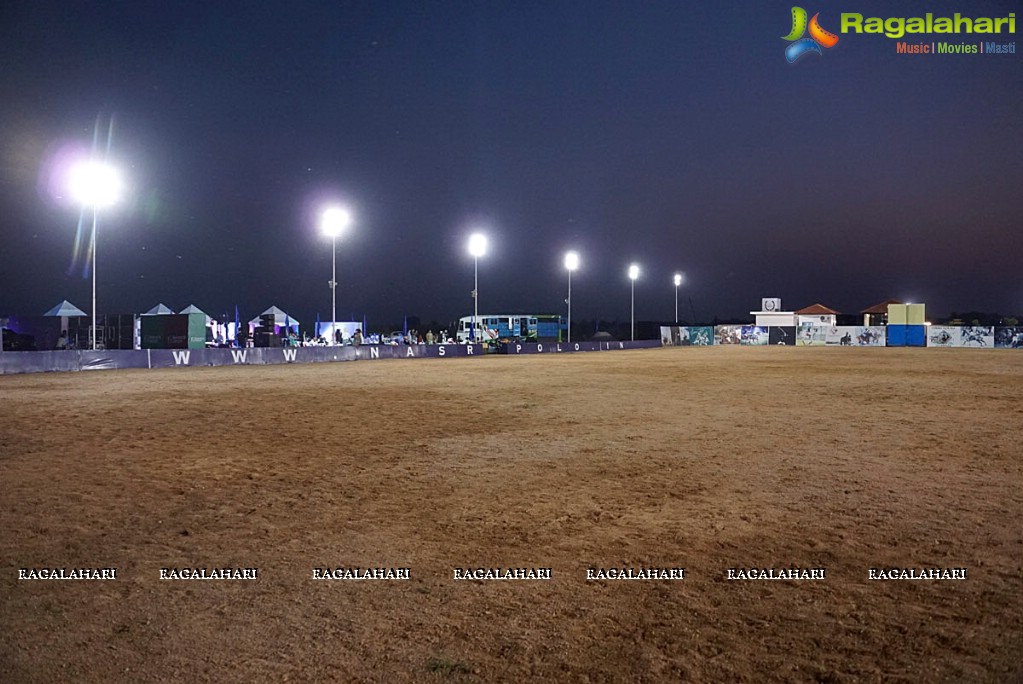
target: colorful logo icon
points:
(818, 36)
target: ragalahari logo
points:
(818, 36)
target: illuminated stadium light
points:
(477, 248)
(333, 222)
(633, 274)
(477, 244)
(678, 281)
(94, 185)
(571, 263)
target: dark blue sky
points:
(673, 134)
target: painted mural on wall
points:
(855, 336)
(687, 336)
(728, 334)
(980, 337)
(700, 336)
(944, 336)
(811, 336)
(754, 335)
(1009, 338)
(782, 335)
(977, 336)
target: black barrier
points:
(39, 362)
(109, 360)
(75, 360)
(256, 356)
(431, 351)
(567, 347)
(166, 358)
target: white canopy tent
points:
(159, 310)
(193, 309)
(280, 319)
(65, 309)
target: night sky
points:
(672, 134)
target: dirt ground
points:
(702, 458)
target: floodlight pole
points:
(94, 184)
(333, 290)
(95, 244)
(570, 306)
(633, 309)
(475, 298)
(477, 247)
(333, 220)
(678, 281)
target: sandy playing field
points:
(699, 458)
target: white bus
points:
(492, 327)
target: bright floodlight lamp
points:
(477, 244)
(571, 263)
(94, 185)
(633, 274)
(477, 248)
(678, 279)
(333, 222)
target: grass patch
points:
(448, 667)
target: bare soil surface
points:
(702, 458)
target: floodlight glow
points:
(477, 244)
(633, 272)
(334, 220)
(678, 279)
(572, 261)
(94, 184)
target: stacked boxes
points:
(906, 326)
(916, 330)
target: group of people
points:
(291, 339)
(415, 337)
